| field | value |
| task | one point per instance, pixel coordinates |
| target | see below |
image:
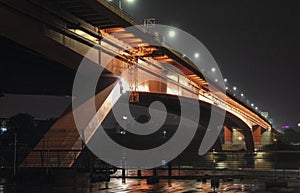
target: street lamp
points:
(164, 134)
(172, 34)
(123, 131)
(120, 2)
(3, 127)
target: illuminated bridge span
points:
(65, 30)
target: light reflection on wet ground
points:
(187, 186)
(141, 186)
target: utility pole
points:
(15, 155)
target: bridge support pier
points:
(267, 137)
(227, 136)
(256, 136)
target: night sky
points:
(255, 43)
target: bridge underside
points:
(235, 136)
(62, 145)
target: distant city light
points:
(213, 69)
(256, 108)
(125, 117)
(225, 80)
(252, 105)
(172, 34)
(286, 127)
(123, 132)
(298, 124)
(242, 95)
(265, 114)
(234, 88)
(121, 2)
(3, 129)
(226, 87)
(196, 55)
(216, 80)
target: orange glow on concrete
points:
(257, 136)
(227, 136)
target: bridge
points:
(62, 32)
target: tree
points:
(290, 135)
(24, 125)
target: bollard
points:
(154, 172)
(123, 176)
(170, 170)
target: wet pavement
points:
(81, 185)
(187, 186)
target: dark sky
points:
(256, 44)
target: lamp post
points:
(15, 154)
(3, 127)
(120, 3)
(214, 181)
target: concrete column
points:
(227, 136)
(256, 130)
(237, 137)
(267, 138)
